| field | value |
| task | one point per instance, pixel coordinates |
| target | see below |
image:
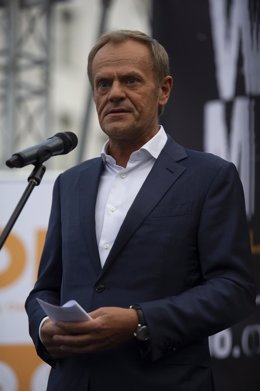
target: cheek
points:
(139, 102)
(148, 106)
(148, 100)
(99, 103)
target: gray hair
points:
(160, 59)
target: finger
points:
(79, 340)
(75, 327)
(84, 343)
(86, 348)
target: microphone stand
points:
(34, 179)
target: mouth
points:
(117, 111)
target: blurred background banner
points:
(214, 48)
(20, 368)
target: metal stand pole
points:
(34, 180)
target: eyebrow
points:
(110, 75)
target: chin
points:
(116, 132)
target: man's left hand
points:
(109, 327)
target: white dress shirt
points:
(118, 188)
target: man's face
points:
(126, 93)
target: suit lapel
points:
(88, 187)
(163, 175)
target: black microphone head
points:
(14, 161)
(59, 144)
(70, 141)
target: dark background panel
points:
(184, 28)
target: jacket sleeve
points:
(226, 294)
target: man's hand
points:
(110, 327)
(48, 330)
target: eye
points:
(103, 83)
(131, 80)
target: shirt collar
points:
(154, 147)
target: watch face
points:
(142, 333)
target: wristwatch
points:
(142, 332)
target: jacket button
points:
(170, 348)
(100, 288)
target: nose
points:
(116, 92)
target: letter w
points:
(227, 32)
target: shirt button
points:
(112, 209)
(122, 176)
(106, 246)
(100, 288)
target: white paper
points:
(71, 311)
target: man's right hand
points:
(48, 330)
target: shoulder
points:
(207, 159)
(199, 164)
(82, 167)
(209, 162)
(190, 156)
(86, 169)
(210, 171)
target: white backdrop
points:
(20, 368)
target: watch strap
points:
(141, 333)
(140, 314)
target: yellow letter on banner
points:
(17, 256)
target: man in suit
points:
(150, 238)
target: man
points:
(151, 239)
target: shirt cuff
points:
(40, 327)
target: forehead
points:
(128, 55)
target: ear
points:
(165, 90)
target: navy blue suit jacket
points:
(182, 253)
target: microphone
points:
(59, 144)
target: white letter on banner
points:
(8, 379)
(227, 34)
(238, 147)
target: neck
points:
(121, 153)
(121, 149)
